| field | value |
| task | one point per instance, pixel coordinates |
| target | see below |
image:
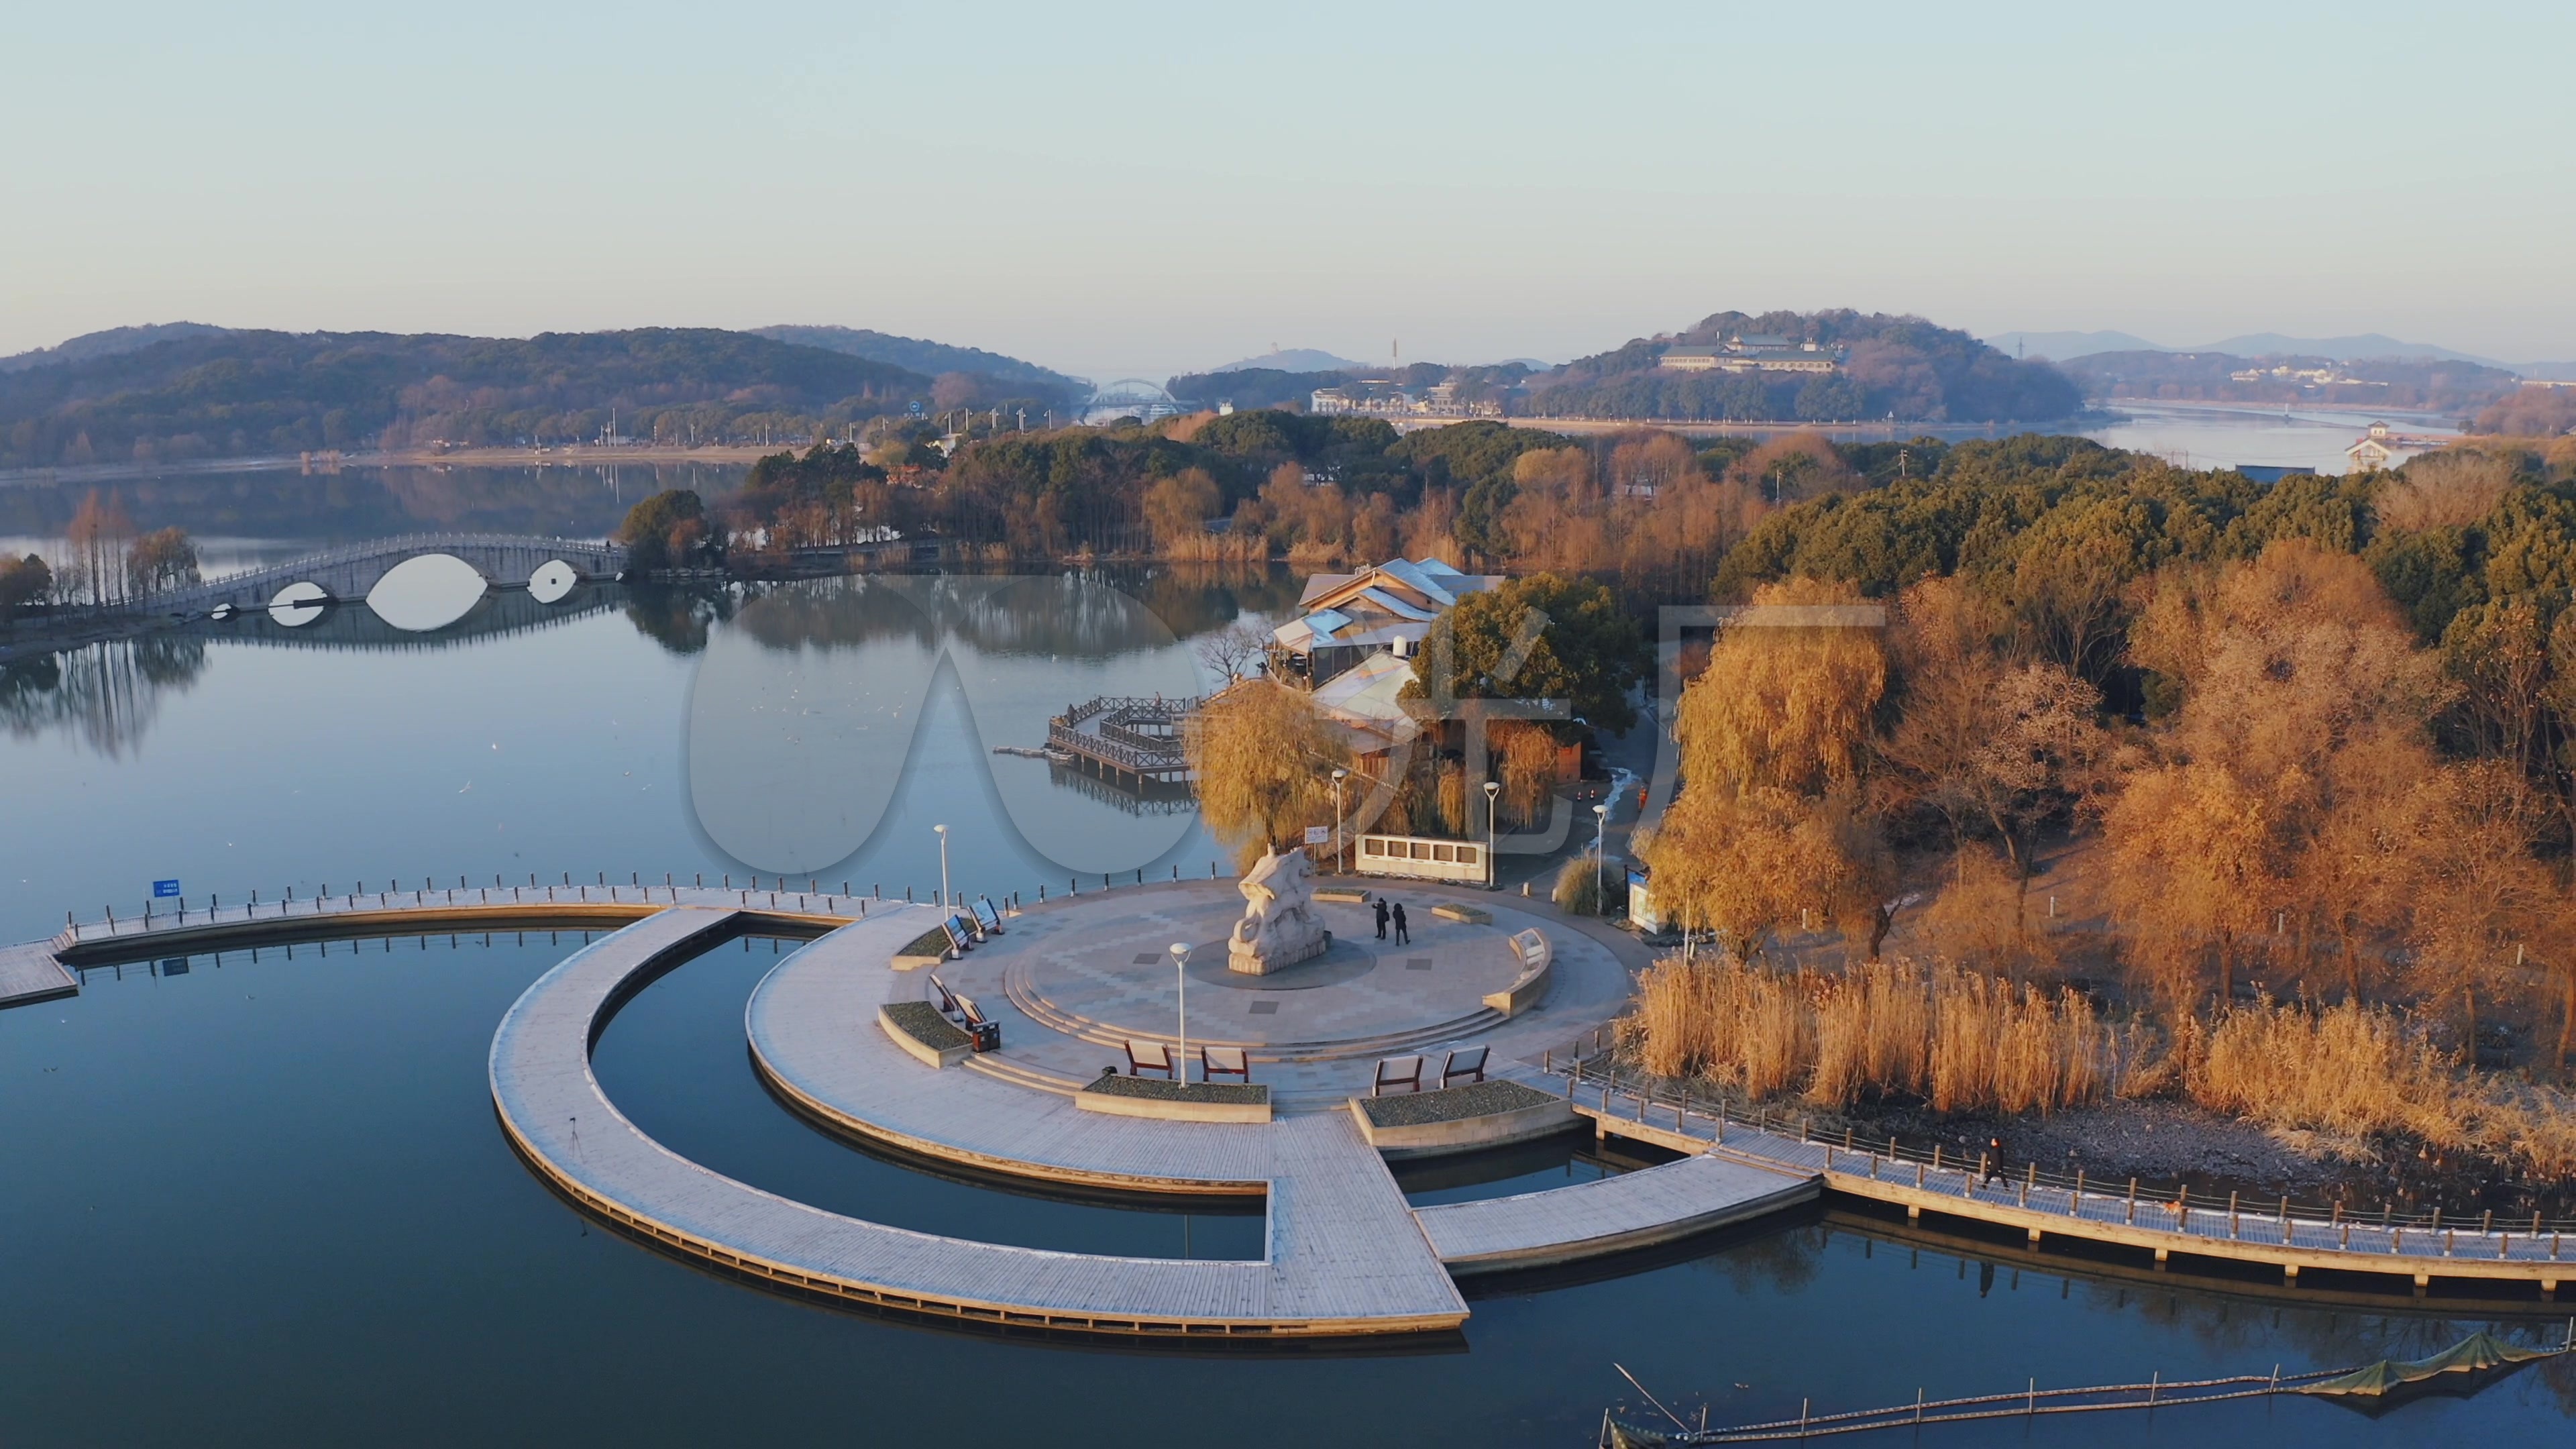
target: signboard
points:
(1319, 835)
(164, 889)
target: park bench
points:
(1397, 1072)
(1150, 1056)
(947, 998)
(986, 1031)
(960, 938)
(1463, 1062)
(988, 918)
(1215, 1062)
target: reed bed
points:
(1966, 1041)
(2363, 1071)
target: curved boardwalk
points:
(1346, 1255)
(544, 1088)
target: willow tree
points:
(1264, 758)
(1788, 698)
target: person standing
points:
(1403, 933)
(1381, 918)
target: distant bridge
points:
(348, 573)
(1131, 397)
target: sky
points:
(1138, 189)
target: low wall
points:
(1464, 1134)
(1172, 1109)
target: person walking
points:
(1381, 918)
(1403, 934)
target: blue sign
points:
(164, 888)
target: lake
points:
(264, 1199)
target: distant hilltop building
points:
(1385, 400)
(2381, 448)
(1753, 352)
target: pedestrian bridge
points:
(349, 573)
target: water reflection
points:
(428, 592)
(802, 716)
(105, 695)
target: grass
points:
(1451, 1104)
(922, 1022)
(1112, 1085)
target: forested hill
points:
(930, 358)
(1892, 366)
(243, 393)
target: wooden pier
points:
(2114, 1213)
(1127, 739)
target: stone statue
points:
(1278, 926)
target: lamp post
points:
(1340, 864)
(1181, 970)
(943, 868)
(1600, 858)
(1493, 879)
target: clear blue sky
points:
(1139, 188)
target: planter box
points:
(927, 949)
(1460, 1119)
(1472, 915)
(1172, 1102)
(1343, 895)
(918, 1028)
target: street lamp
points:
(1340, 863)
(1492, 789)
(943, 868)
(1181, 969)
(1600, 859)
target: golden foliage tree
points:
(1264, 758)
(1784, 703)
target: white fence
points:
(1418, 858)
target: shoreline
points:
(573, 457)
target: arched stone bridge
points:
(505, 560)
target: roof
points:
(1365, 702)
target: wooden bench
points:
(988, 919)
(1397, 1072)
(1536, 956)
(947, 998)
(1150, 1056)
(986, 1031)
(1215, 1062)
(1461, 1063)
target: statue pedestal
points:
(1251, 960)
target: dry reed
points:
(1887, 1027)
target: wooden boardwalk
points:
(2110, 1213)
(31, 973)
(1344, 1252)
(1615, 1214)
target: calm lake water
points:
(265, 1201)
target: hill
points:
(1294, 359)
(245, 393)
(2434, 384)
(2059, 346)
(914, 354)
(1902, 367)
(106, 344)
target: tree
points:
(160, 560)
(2482, 892)
(1542, 637)
(97, 535)
(658, 530)
(1228, 652)
(1789, 698)
(1742, 863)
(26, 581)
(2190, 875)
(1264, 760)
(1177, 510)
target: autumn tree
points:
(1177, 509)
(161, 560)
(1790, 694)
(1264, 759)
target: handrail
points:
(2179, 1211)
